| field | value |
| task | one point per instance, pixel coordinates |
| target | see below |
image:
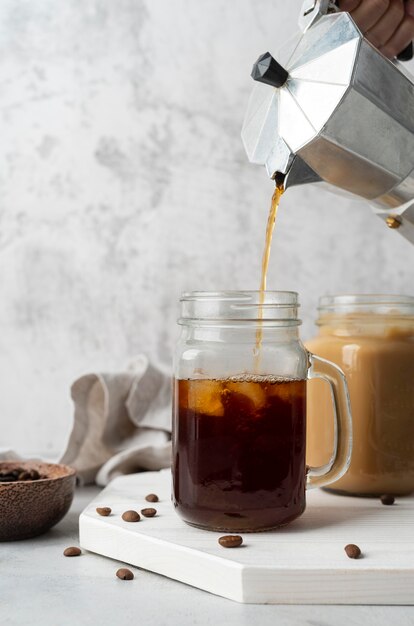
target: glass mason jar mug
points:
(239, 412)
(371, 337)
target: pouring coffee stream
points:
(271, 221)
(336, 112)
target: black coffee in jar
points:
(239, 452)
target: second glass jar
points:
(371, 337)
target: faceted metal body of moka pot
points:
(344, 116)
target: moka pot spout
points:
(298, 173)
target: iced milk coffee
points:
(372, 339)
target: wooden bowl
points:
(30, 507)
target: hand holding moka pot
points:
(337, 112)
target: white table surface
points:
(39, 586)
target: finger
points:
(400, 40)
(385, 28)
(409, 8)
(369, 12)
(349, 5)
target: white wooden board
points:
(303, 563)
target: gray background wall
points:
(123, 182)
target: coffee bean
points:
(131, 516)
(72, 551)
(34, 474)
(230, 541)
(151, 497)
(24, 475)
(387, 499)
(125, 574)
(352, 551)
(149, 512)
(7, 479)
(104, 511)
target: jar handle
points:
(341, 456)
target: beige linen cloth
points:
(122, 423)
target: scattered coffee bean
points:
(72, 551)
(125, 574)
(151, 497)
(131, 516)
(34, 474)
(104, 511)
(352, 551)
(230, 541)
(149, 512)
(387, 499)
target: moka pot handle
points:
(313, 10)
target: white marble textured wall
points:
(123, 182)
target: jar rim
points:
(285, 297)
(237, 306)
(375, 303)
